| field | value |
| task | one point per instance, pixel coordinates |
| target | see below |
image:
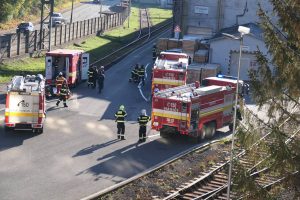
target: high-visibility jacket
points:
(141, 72)
(60, 80)
(135, 71)
(91, 73)
(120, 115)
(143, 120)
(64, 91)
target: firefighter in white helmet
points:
(143, 119)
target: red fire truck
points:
(222, 80)
(74, 64)
(192, 110)
(169, 70)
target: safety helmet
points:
(143, 112)
(122, 107)
(60, 74)
(102, 67)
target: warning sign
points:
(177, 29)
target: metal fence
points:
(13, 45)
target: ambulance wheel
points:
(211, 130)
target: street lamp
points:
(243, 31)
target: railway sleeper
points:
(220, 176)
(221, 183)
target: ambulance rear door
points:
(49, 72)
(85, 62)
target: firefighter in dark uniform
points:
(141, 74)
(64, 92)
(95, 77)
(143, 119)
(101, 77)
(134, 74)
(91, 76)
(120, 119)
(154, 52)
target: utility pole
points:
(100, 8)
(71, 20)
(43, 28)
(129, 6)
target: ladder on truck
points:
(29, 83)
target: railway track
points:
(146, 32)
(214, 183)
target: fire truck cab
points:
(169, 70)
(25, 103)
(192, 110)
(74, 65)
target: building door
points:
(246, 60)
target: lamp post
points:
(243, 31)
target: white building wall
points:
(220, 52)
(222, 13)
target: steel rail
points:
(151, 170)
(219, 168)
(166, 25)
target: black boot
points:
(57, 103)
(65, 105)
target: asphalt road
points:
(85, 10)
(78, 153)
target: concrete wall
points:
(218, 14)
(225, 52)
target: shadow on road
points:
(94, 147)
(136, 158)
(10, 139)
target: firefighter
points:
(154, 52)
(120, 119)
(141, 74)
(101, 77)
(134, 74)
(143, 119)
(59, 82)
(95, 77)
(91, 76)
(64, 92)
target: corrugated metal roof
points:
(255, 31)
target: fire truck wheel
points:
(164, 134)
(8, 129)
(231, 127)
(40, 130)
(203, 132)
(212, 130)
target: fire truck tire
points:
(40, 130)
(212, 130)
(164, 134)
(8, 129)
(231, 127)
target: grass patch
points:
(25, 66)
(159, 15)
(97, 46)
